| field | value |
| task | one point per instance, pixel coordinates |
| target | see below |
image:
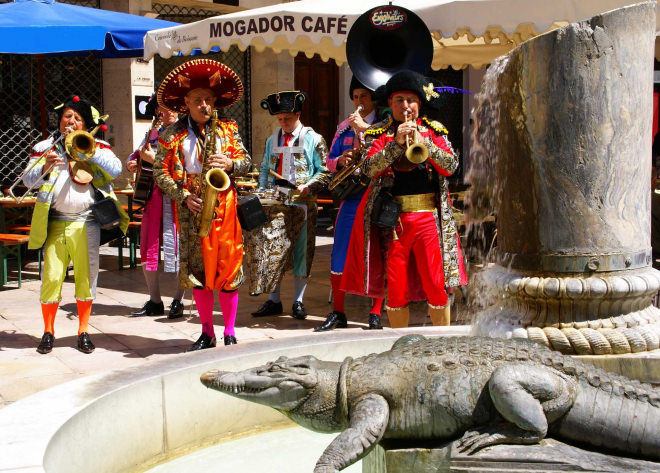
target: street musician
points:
(196, 147)
(346, 149)
(62, 221)
(157, 218)
(296, 154)
(423, 250)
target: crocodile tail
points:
(615, 413)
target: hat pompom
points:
(75, 99)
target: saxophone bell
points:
(214, 180)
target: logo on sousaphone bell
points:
(388, 18)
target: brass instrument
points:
(376, 50)
(213, 181)
(79, 145)
(416, 152)
(354, 166)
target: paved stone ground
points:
(122, 341)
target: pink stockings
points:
(228, 305)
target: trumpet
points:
(79, 145)
(355, 164)
(416, 152)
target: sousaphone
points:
(386, 40)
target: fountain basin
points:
(130, 420)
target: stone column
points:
(271, 72)
(564, 122)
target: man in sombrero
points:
(213, 262)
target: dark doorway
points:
(320, 81)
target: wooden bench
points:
(10, 245)
(19, 228)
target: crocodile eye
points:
(275, 368)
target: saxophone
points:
(213, 181)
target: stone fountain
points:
(562, 154)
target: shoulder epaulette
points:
(228, 123)
(42, 146)
(102, 144)
(344, 126)
(380, 127)
(435, 125)
(173, 134)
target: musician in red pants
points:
(423, 254)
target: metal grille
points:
(20, 122)
(236, 59)
(451, 115)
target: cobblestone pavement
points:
(123, 341)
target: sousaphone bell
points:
(386, 40)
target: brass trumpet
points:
(416, 152)
(79, 145)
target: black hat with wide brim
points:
(410, 81)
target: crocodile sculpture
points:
(482, 390)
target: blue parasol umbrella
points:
(53, 28)
(49, 28)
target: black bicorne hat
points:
(431, 95)
(414, 82)
(284, 102)
(152, 105)
(356, 84)
(80, 105)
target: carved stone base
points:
(549, 456)
(600, 314)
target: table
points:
(133, 231)
(14, 213)
(129, 195)
(15, 220)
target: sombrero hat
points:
(195, 74)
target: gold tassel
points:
(398, 317)
(440, 316)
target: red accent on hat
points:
(196, 74)
(75, 99)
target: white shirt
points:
(68, 196)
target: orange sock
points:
(84, 311)
(48, 312)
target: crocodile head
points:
(283, 384)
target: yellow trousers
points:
(66, 242)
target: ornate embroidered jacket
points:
(364, 271)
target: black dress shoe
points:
(176, 309)
(230, 340)
(268, 308)
(46, 343)
(204, 341)
(374, 322)
(298, 311)
(85, 345)
(334, 320)
(150, 308)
